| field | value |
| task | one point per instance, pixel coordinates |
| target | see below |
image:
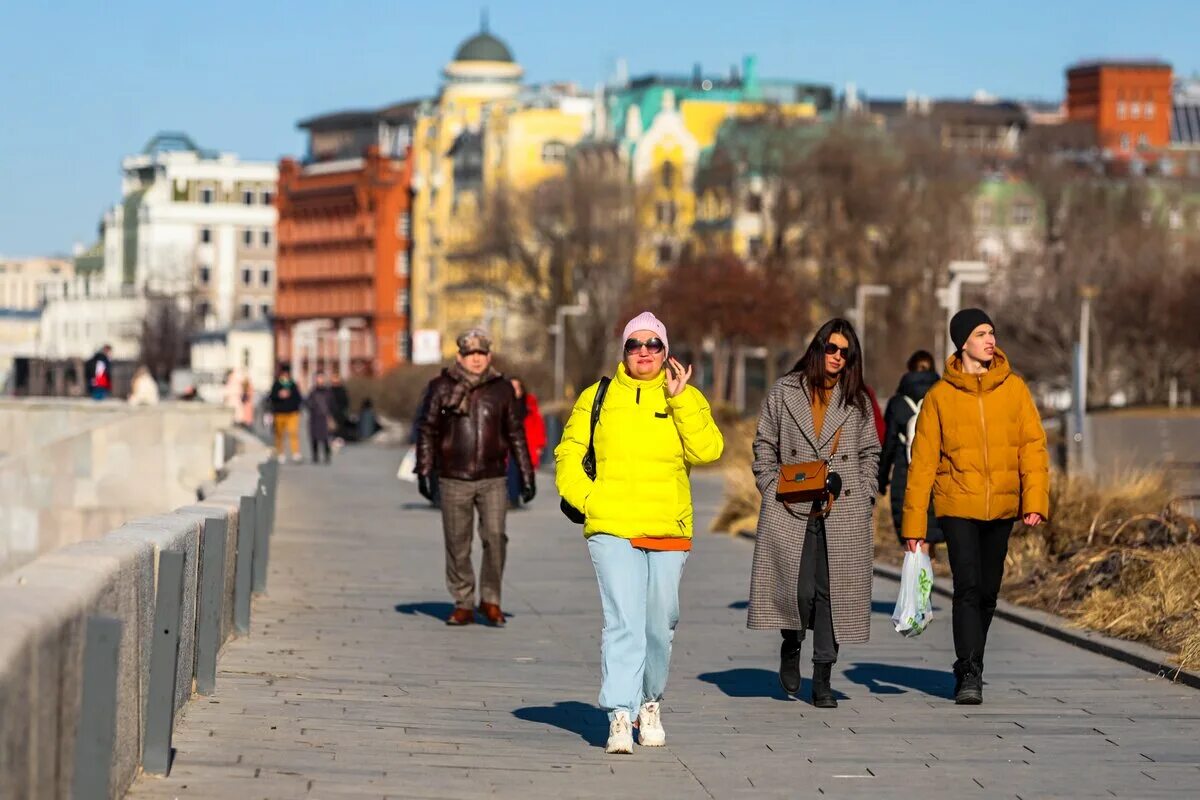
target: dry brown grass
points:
(1115, 557)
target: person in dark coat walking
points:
(99, 373)
(322, 424)
(811, 571)
(469, 431)
(900, 418)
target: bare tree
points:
(167, 329)
(544, 246)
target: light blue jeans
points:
(639, 591)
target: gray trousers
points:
(460, 501)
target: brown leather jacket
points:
(474, 446)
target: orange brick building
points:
(343, 245)
(1128, 102)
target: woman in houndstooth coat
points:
(809, 572)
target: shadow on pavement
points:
(893, 679)
(883, 607)
(588, 722)
(748, 682)
(740, 604)
(437, 609)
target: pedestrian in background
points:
(144, 391)
(98, 370)
(321, 425)
(653, 428)
(535, 438)
(981, 450)
(469, 430)
(812, 571)
(286, 401)
(901, 419)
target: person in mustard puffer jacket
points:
(653, 429)
(981, 449)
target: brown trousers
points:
(460, 501)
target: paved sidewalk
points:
(350, 685)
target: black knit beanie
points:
(966, 321)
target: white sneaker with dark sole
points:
(620, 735)
(650, 729)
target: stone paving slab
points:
(350, 685)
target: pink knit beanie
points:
(646, 321)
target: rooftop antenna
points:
(483, 20)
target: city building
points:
(485, 134)
(344, 242)
(664, 126)
(1184, 157)
(23, 285)
(246, 348)
(1127, 102)
(981, 126)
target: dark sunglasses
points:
(831, 348)
(653, 344)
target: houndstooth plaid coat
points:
(786, 435)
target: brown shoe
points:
(461, 616)
(492, 613)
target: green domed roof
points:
(484, 47)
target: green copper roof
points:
(484, 47)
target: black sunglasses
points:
(831, 348)
(653, 344)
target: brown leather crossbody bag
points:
(807, 483)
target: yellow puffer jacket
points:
(980, 447)
(646, 445)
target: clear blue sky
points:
(84, 83)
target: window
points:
(404, 226)
(268, 198)
(202, 310)
(207, 195)
(754, 203)
(248, 238)
(265, 309)
(265, 276)
(1149, 112)
(554, 152)
(1022, 214)
(266, 237)
(205, 235)
(402, 302)
(247, 276)
(1143, 140)
(665, 253)
(668, 175)
(247, 197)
(1120, 109)
(402, 345)
(245, 311)
(402, 263)
(665, 212)
(1124, 141)
(205, 273)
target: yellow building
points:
(486, 133)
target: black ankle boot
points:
(822, 692)
(789, 666)
(968, 683)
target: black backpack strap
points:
(597, 403)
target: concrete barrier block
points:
(228, 509)
(182, 534)
(41, 654)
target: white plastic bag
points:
(914, 606)
(407, 465)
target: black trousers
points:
(977, 550)
(812, 593)
(317, 445)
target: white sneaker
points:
(282, 459)
(620, 734)
(650, 729)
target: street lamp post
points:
(858, 314)
(975, 272)
(560, 341)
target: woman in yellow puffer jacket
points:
(653, 428)
(981, 449)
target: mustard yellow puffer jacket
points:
(646, 445)
(980, 447)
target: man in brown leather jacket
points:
(469, 430)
